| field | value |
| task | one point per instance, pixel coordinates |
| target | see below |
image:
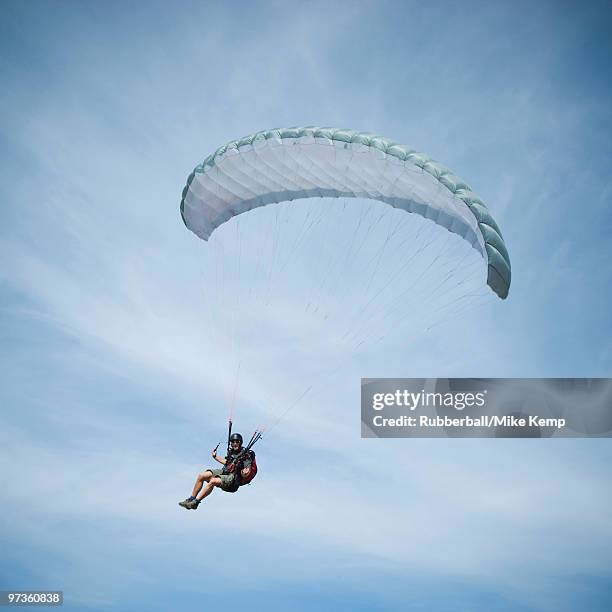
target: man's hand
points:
(214, 453)
(245, 471)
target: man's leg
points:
(208, 489)
(213, 482)
(205, 476)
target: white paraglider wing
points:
(288, 164)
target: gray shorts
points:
(227, 480)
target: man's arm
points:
(216, 457)
(246, 466)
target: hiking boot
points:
(192, 505)
(185, 503)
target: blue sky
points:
(115, 377)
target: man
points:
(227, 478)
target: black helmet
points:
(236, 437)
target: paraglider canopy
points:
(282, 165)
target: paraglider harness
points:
(234, 463)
